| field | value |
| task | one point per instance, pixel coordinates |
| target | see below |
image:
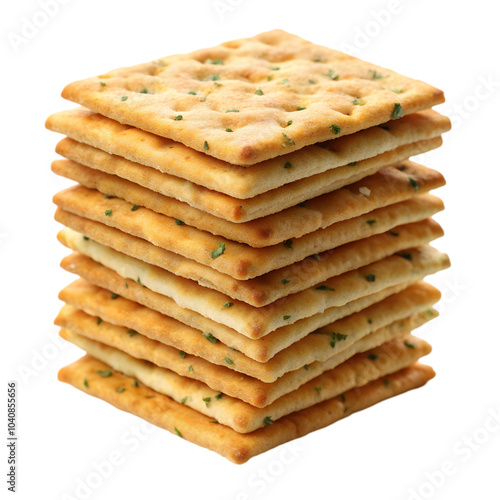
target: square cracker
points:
(276, 324)
(240, 416)
(226, 206)
(289, 93)
(191, 425)
(177, 160)
(320, 345)
(238, 260)
(387, 186)
(265, 289)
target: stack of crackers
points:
(250, 238)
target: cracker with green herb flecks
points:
(387, 186)
(320, 345)
(179, 162)
(233, 209)
(278, 324)
(230, 257)
(197, 428)
(289, 93)
(223, 378)
(240, 416)
(264, 289)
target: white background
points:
(395, 450)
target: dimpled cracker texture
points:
(242, 417)
(175, 159)
(289, 93)
(193, 426)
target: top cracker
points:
(252, 99)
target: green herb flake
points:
(86, 238)
(191, 369)
(375, 75)
(318, 389)
(276, 68)
(300, 108)
(410, 345)
(114, 296)
(104, 373)
(108, 213)
(179, 222)
(86, 383)
(259, 92)
(335, 129)
(372, 356)
(332, 75)
(182, 354)
(285, 80)
(232, 110)
(414, 184)
(108, 196)
(178, 117)
(358, 102)
(324, 287)
(288, 139)
(228, 304)
(192, 92)
(397, 112)
(393, 233)
(285, 281)
(144, 91)
(132, 333)
(430, 312)
(312, 82)
(288, 244)
(306, 368)
(135, 383)
(213, 78)
(286, 318)
(139, 281)
(370, 277)
(229, 361)
(289, 123)
(99, 320)
(337, 337)
(386, 382)
(353, 163)
(370, 321)
(385, 127)
(211, 338)
(205, 146)
(207, 401)
(124, 97)
(407, 256)
(183, 400)
(218, 396)
(134, 208)
(317, 256)
(342, 398)
(268, 421)
(229, 130)
(103, 84)
(178, 432)
(288, 165)
(397, 91)
(217, 61)
(371, 222)
(120, 389)
(218, 251)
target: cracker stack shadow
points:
(250, 238)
